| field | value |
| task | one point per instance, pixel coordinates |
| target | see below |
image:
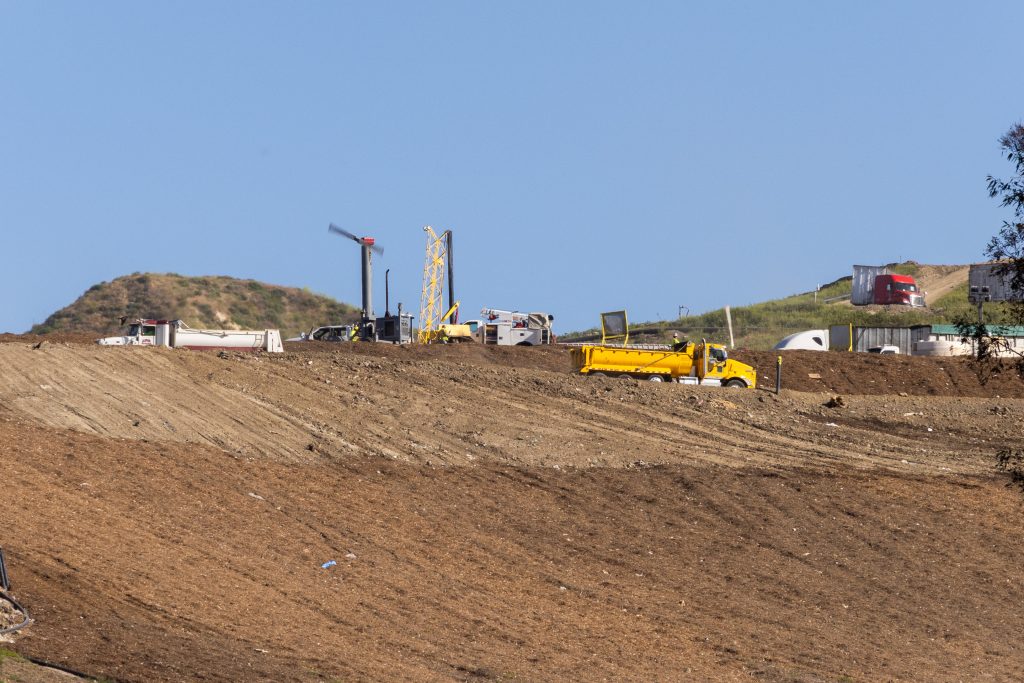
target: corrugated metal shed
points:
(838, 338)
(864, 284)
(865, 338)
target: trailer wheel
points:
(736, 384)
(655, 378)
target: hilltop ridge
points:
(761, 325)
(207, 301)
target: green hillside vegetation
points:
(760, 326)
(202, 302)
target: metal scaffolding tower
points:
(438, 257)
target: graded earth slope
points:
(491, 517)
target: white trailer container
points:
(863, 292)
(177, 335)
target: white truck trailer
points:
(177, 335)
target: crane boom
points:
(432, 293)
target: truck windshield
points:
(133, 330)
(905, 287)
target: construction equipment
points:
(614, 325)
(703, 363)
(177, 335)
(368, 246)
(439, 257)
(512, 328)
(396, 329)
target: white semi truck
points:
(177, 335)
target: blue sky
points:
(588, 156)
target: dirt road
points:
(492, 517)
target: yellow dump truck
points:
(700, 363)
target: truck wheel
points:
(736, 384)
(597, 374)
(655, 378)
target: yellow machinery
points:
(614, 325)
(439, 255)
(701, 363)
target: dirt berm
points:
(360, 512)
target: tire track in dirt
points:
(341, 407)
(131, 402)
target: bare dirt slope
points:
(937, 281)
(494, 518)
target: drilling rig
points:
(439, 259)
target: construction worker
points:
(677, 343)
(353, 332)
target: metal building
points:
(985, 283)
(864, 338)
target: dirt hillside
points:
(937, 281)
(489, 516)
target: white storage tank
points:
(941, 348)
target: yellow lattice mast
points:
(432, 294)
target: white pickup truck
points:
(885, 349)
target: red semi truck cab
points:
(892, 289)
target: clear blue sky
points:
(588, 156)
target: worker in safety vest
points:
(677, 343)
(353, 332)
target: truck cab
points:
(900, 290)
(139, 333)
(711, 365)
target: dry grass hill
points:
(761, 325)
(212, 302)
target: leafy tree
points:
(1007, 247)
(1008, 244)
